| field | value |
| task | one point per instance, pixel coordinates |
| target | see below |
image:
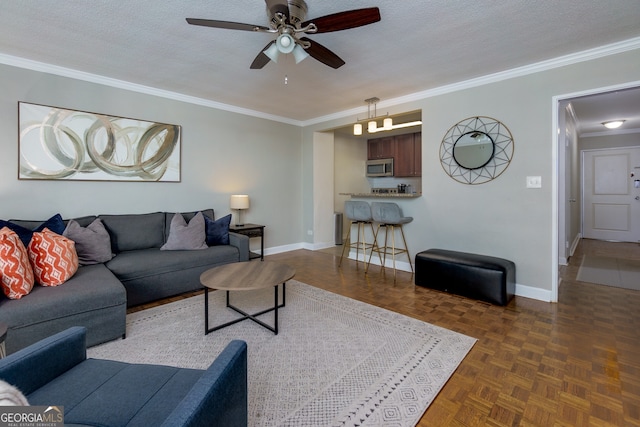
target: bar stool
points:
(359, 213)
(389, 216)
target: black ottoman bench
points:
(474, 276)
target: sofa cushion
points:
(183, 236)
(16, 274)
(53, 258)
(132, 265)
(92, 288)
(217, 231)
(135, 231)
(24, 229)
(120, 393)
(93, 243)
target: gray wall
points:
(500, 218)
(222, 153)
(275, 163)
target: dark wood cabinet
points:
(380, 148)
(408, 155)
(406, 151)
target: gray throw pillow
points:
(93, 243)
(186, 237)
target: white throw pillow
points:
(11, 396)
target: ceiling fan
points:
(287, 19)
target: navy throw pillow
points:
(55, 224)
(217, 231)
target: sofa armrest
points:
(219, 398)
(241, 242)
(38, 364)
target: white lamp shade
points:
(299, 54)
(357, 129)
(372, 127)
(272, 52)
(387, 123)
(239, 201)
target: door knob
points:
(637, 197)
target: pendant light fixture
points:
(372, 123)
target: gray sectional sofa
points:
(98, 295)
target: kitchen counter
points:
(384, 195)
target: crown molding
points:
(562, 61)
(134, 87)
(574, 58)
(609, 133)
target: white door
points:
(611, 200)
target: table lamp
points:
(239, 202)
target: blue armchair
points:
(56, 371)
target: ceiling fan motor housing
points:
(297, 12)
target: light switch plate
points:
(534, 182)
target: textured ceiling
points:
(416, 46)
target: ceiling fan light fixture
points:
(299, 54)
(613, 124)
(272, 52)
(285, 43)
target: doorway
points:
(588, 110)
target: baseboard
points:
(521, 290)
(400, 265)
(533, 293)
(574, 245)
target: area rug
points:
(335, 362)
(621, 273)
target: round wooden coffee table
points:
(246, 276)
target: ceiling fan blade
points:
(323, 54)
(345, 20)
(261, 60)
(225, 24)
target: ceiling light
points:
(285, 43)
(272, 52)
(299, 54)
(372, 125)
(613, 124)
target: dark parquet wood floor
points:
(574, 363)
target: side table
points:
(251, 230)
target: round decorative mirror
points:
(476, 150)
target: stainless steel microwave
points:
(380, 167)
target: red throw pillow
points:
(53, 258)
(15, 271)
